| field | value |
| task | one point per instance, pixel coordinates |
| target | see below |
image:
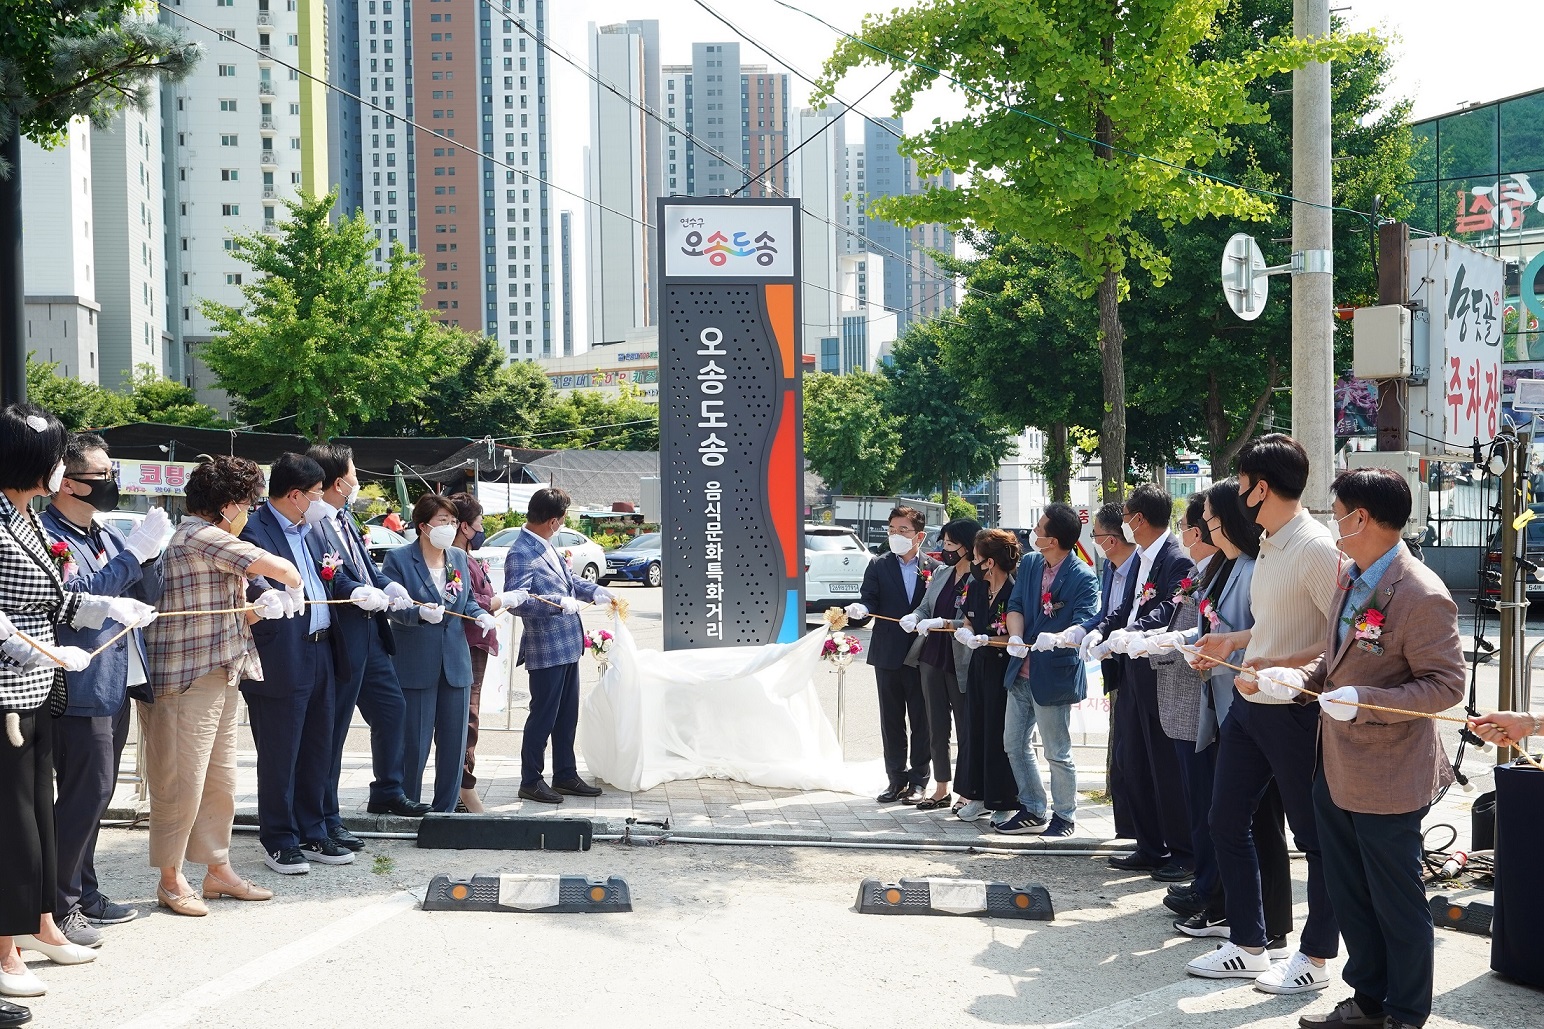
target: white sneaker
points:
(972, 810)
(1229, 961)
(1295, 974)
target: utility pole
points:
(1394, 288)
(13, 290)
(1313, 350)
(1514, 610)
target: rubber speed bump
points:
(1472, 917)
(440, 831)
(954, 897)
(554, 894)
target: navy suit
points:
(366, 674)
(90, 736)
(1160, 818)
(291, 707)
(893, 655)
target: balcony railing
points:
(267, 125)
(271, 227)
(265, 89)
(269, 159)
(270, 192)
(264, 18)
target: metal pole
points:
(1313, 359)
(1513, 614)
(13, 287)
(841, 708)
(1393, 288)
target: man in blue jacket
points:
(1050, 595)
(89, 738)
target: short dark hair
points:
(547, 504)
(431, 504)
(1279, 460)
(917, 519)
(961, 532)
(334, 459)
(221, 481)
(1063, 524)
(1195, 515)
(291, 472)
(1000, 545)
(1242, 531)
(30, 453)
(79, 445)
(1152, 503)
(1382, 492)
(468, 508)
(1109, 518)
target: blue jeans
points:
(1055, 721)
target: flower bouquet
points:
(840, 649)
(598, 643)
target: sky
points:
(1446, 54)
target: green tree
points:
(79, 405)
(850, 439)
(944, 439)
(474, 394)
(587, 418)
(1089, 84)
(324, 335)
(155, 398)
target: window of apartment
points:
(230, 244)
(228, 139)
(227, 71)
(229, 174)
(230, 210)
(227, 105)
(233, 279)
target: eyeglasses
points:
(907, 531)
(1105, 536)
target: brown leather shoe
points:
(215, 887)
(188, 904)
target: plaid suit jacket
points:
(551, 638)
(33, 597)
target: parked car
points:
(583, 554)
(1533, 549)
(637, 560)
(834, 562)
(379, 540)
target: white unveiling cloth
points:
(745, 713)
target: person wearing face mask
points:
(893, 586)
(90, 736)
(1292, 596)
(291, 708)
(1391, 641)
(196, 664)
(943, 661)
(984, 775)
(33, 600)
(484, 643)
(1050, 595)
(365, 674)
(434, 663)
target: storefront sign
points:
(731, 435)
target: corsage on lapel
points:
(60, 552)
(453, 584)
(1048, 606)
(331, 562)
(1149, 591)
(1369, 630)
(1214, 619)
(925, 574)
(1186, 591)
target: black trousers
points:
(1372, 866)
(983, 771)
(1121, 723)
(1151, 778)
(87, 752)
(900, 701)
(293, 738)
(28, 859)
(945, 710)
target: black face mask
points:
(478, 539)
(949, 557)
(1249, 510)
(978, 570)
(104, 493)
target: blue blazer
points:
(1055, 676)
(1169, 567)
(281, 642)
(426, 651)
(99, 691)
(1234, 609)
(551, 638)
(349, 622)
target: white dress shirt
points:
(1147, 555)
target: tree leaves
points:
(849, 438)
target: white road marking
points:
(1163, 1002)
(184, 1009)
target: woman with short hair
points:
(983, 775)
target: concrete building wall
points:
(618, 244)
(765, 132)
(813, 176)
(59, 262)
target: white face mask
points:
(1126, 533)
(900, 545)
(56, 478)
(317, 512)
(1335, 533)
(442, 537)
(352, 495)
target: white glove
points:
(130, 613)
(486, 622)
(434, 614)
(929, 624)
(1121, 639)
(400, 599)
(368, 598)
(1276, 683)
(1089, 642)
(513, 598)
(1137, 645)
(603, 595)
(145, 542)
(909, 622)
(1072, 637)
(1016, 647)
(1099, 652)
(1047, 641)
(75, 659)
(964, 635)
(7, 630)
(571, 605)
(1164, 641)
(294, 600)
(1337, 703)
(31, 658)
(270, 604)
(857, 612)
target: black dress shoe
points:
(399, 806)
(1173, 872)
(13, 1014)
(539, 792)
(1348, 1014)
(894, 793)
(343, 838)
(576, 788)
(1136, 863)
(1185, 904)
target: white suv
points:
(834, 563)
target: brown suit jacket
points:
(1380, 763)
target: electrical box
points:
(1381, 342)
(1407, 463)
